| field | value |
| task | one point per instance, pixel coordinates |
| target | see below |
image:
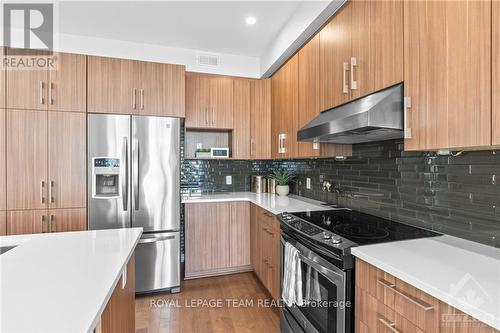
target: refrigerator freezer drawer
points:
(157, 262)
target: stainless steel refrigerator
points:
(133, 181)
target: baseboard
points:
(217, 272)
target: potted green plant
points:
(283, 179)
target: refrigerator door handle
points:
(125, 177)
(136, 177)
(152, 240)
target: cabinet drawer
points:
(417, 307)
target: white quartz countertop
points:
(271, 202)
(61, 282)
(461, 273)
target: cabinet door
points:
(496, 73)
(255, 241)
(260, 114)
(197, 100)
(112, 85)
(241, 110)
(284, 119)
(3, 162)
(239, 235)
(61, 220)
(119, 313)
(2, 81)
(26, 89)
(26, 159)
(3, 223)
(447, 71)
(162, 89)
(207, 238)
(67, 159)
(270, 242)
(335, 54)
(308, 92)
(27, 222)
(68, 83)
(221, 103)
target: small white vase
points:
(282, 190)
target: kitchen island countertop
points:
(61, 282)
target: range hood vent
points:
(375, 117)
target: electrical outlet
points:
(308, 183)
(199, 146)
(229, 180)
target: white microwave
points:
(219, 152)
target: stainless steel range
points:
(324, 240)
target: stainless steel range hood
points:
(375, 117)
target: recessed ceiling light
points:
(250, 20)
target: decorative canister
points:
(271, 185)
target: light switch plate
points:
(199, 146)
(308, 183)
(229, 180)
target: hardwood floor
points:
(191, 311)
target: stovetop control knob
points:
(327, 235)
(336, 240)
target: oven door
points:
(325, 310)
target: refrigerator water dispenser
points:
(105, 177)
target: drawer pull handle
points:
(388, 324)
(423, 305)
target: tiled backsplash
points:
(456, 195)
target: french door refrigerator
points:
(133, 181)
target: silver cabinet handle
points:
(134, 102)
(206, 115)
(51, 191)
(281, 143)
(42, 222)
(345, 87)
(152, 239)
(251, 148)
(389, 325)
(142, 99)
(40, 92)
(51, 101)
(124, 175)
(421, 304)
(42, 187)
(213, 115)
(52, 222)
(354, 84)
(136, 171)
(407, 107)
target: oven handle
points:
(323, 270)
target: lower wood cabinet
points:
(40, 221)
(386, 304)
(119, 314)
(265, 249)
(3, 164)
(3, 223)
(217, 238)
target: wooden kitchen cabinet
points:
(241, 114)
(119, 314)
(3, 223)
(335, 54)
(239, 234)
(62, 220)
(27, 222)
(58, 88)
(447, 72)
(2, 80)
(284, 114)
(495, 73)
(26, 159)
(255, 240)
(67, 159)
(209, 101)
(112, 85)
(260, 114)
(3, 161)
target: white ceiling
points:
(214, 26)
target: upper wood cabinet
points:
(62, 88)
(135, 87)
(260, 132)
(45, 159)
(66, 160)
(3, 162)
(26, 159)
(496, 73)
(209, 101)
(447, 71)
(241, 114)
(284, 114)
(361, 51)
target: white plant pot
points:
(282, 190)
